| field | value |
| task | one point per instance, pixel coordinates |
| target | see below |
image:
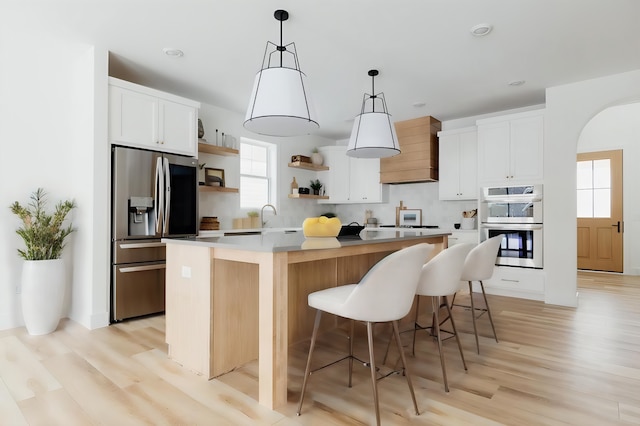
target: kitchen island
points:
(233, 299)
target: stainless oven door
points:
(521, 246)
(528, 210)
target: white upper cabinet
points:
(350, 180)
(510, 149)
(147, 118)
(458, 164)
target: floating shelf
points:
(206, 188)
(216, 150)
(307, 166)
(317, 197)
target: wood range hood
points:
(418, 160)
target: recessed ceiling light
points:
(516, 83)
(169, 51)
(481, 29)
(419, 104)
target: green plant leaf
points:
(43, 234)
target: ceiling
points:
(423, 49)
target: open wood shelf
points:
(216, 150)
(206, 188)
(317, 197)
(307, 166)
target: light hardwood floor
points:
(553, 365)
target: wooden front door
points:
(600, 225)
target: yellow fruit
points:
(321, 226)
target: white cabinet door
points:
(526, 149)
(364, 180)
(336, 179)
(133, 118)
(449, 166)
(178, 124)
(350, 180)
(468, 160)
(458, 164)
(510, 149)
(493, 152)
(147, 118)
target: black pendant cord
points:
(281, 15)
(373, 74)
(281, 47)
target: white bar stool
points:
(479, 266)
(384, 294)
(440, 278)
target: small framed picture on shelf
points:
(411, 217)
(213, 177)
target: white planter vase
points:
(43, 283)
(317, 159)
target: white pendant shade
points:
(280, 104)
(373, 136)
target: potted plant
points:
(316, 185)
(316, 157)
(43, 272)
(254, 219)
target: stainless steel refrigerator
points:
(153, 195)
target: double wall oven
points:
(516, 213)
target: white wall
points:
(618, 127)
(568, 110)
(226, 206)
(47, 105)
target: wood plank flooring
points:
(552, 366)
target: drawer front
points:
(517, 279)
(138, 251)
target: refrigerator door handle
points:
(158, 197)
(140, 245)
(142, 268)
(167, 196)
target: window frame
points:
(271, 174)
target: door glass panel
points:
(602, 173)
(585, 203)
(602, 203)
(593, 182)
(585, 175)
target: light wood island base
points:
(227, 306)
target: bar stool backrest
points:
(386, 292)
(441, 276)
(479, 263)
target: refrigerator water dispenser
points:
(141, 219)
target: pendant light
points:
(280, 104)
(373, 134)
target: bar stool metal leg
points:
(350, 350)
(435, 302)
(473, 315)
(316, 325)
(404, 365)
(372, 363)
(486, 303)
(455, 332)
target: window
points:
(593, 182)
(257, 173)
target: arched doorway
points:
(618, 128)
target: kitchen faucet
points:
(262, 222)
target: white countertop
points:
(291, 239)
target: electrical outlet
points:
(186, 272)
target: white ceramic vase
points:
(317, 159)
(43, 283)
